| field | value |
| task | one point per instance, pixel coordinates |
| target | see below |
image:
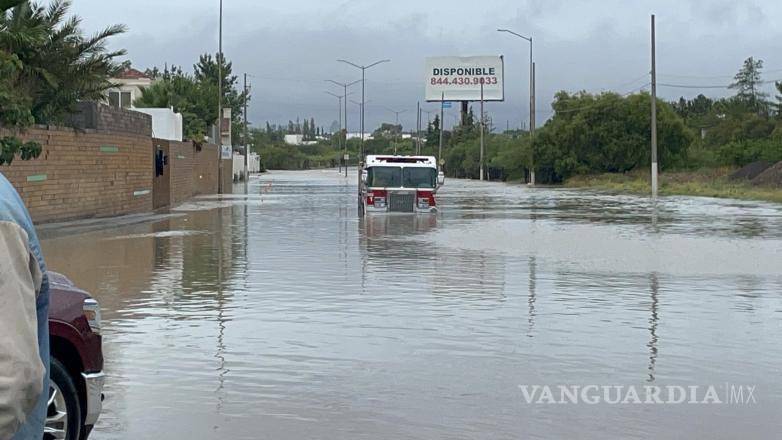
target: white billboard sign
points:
(461, 78)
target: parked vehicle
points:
(399, 184)
(76, 390)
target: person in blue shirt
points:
(24, 331)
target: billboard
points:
(460, 78)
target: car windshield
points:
(419, 177)
(384, 177)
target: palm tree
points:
(60, 66)
(46, 66)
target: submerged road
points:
(282, 315)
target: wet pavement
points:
(281, 315)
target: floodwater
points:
(282, 315)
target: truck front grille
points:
(401, 202)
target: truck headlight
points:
(92, 313)
(380, 202)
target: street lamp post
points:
(345, 89)
(396, 114)
(339, 139)
(363, 90)
(531, 102)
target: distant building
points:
(367, 136)
(127, 87)
(294, 139)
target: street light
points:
(340, 97)
(345, 88)
(363, 87)
(531, 101)
(396, 114)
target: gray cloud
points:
(289, 48)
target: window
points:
(114, 99)
(120, 99)
(419, 177)
(125, 100)
(384, 177)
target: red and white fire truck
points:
(399, 184)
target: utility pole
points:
(220, 104)
(246, 143)
(481, 160)
(654, 114)
(532, 129)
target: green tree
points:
(47, 65)
(747, 84)
(195, 96)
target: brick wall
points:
(106, 167)
(191, 170)
(205, 170)
(101, 117)
(82, 174)
(181, 159)
(228, 176)
(161, 185)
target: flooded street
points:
(283, 315)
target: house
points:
(294, 139)
(127, 87)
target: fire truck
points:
(399, 184)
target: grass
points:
(703, 183)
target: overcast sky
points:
(289, 47)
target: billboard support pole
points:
(418, 129)
(442, 126)
(481, 160)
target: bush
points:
(740, 153)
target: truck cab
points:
(399, 184)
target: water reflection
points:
(280, 314)
(653, 321)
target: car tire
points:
(63, 413)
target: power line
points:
(710, 86)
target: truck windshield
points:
(419, 177)
(384, 177)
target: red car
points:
(76, 390)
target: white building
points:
(127, 88)
(367, 136)
(294, 139)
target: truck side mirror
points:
(364, 176)
(441, 178)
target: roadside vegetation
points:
(194, 95)
(47, 65)
(601, 140)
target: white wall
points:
(238, 165)
(166, 124)
(294, 139)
